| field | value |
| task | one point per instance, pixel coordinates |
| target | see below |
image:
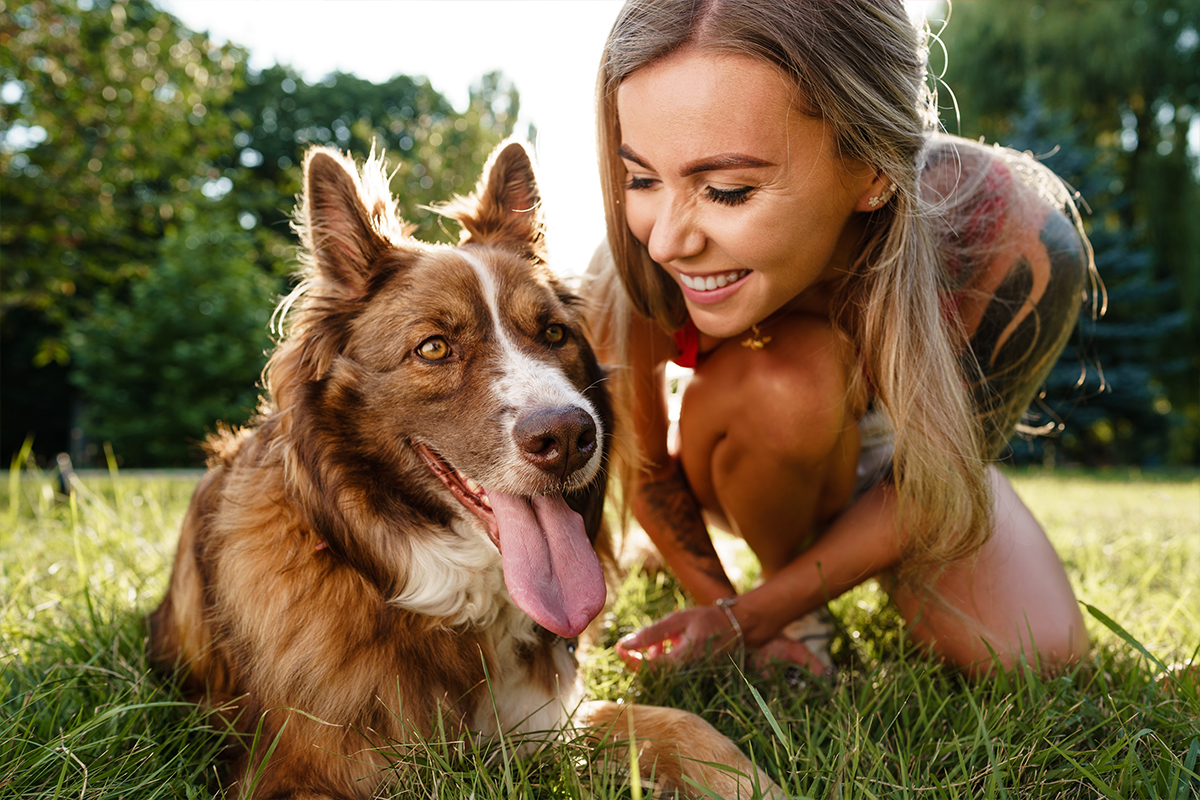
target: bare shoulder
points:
(994, 210)
(961, 173)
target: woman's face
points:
(736, 192)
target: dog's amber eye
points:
(555, 333)
(434, 348)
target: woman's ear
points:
(877, 194)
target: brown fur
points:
(319, 533)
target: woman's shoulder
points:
(958, 170)
(985, 200)
(997, 215)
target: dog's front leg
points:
(677, 750)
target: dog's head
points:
(422, 383)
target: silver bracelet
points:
(726, 604)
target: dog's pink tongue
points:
(551, 570)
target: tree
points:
(182, 352)
(107, 131)
(1024, 73)
(123, 137)
(435, 150)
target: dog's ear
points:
(339, 232)
(505, 209)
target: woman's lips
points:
(711, 288)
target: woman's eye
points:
(635, 183)
(729, 197)
(434, 348)
(554, 333)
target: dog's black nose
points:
(556, 440)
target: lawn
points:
(82, 717)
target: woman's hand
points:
(678, 638)
(782, 648)
(693, 633)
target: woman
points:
(869, 308)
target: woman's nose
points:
(675, 234)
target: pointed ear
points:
(335, 226)
(505, 209)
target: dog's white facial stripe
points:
(527, 382)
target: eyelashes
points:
(725, 197)
(729, 197)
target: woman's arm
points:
(664, 504)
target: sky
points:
(549, 48)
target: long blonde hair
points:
(861, 67)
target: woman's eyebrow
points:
(626, 152)
(707, 164)
(724, 161)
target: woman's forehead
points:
(701, 104)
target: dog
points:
(411, 531)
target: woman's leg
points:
(1014, 598)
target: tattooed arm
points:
(664, 504)
(1017, 268)
(1026, 323)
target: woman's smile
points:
(734, 190)
(703, 288)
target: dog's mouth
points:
(468, 492)
(550, 568)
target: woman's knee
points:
(1047, 639)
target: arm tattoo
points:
(673, 511)
(1024, 328)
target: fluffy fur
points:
(409, 530)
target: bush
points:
(183, 350)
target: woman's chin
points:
(720, 325)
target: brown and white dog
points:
(409, 531)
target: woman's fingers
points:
(783, 649)
(677, 637)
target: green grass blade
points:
(1128, 638)
(1187, 777)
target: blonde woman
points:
(868, 306)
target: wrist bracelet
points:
(726, 604)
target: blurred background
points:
(149, 159)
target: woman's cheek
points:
(639, 216)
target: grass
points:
(81, 716)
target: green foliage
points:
(119, 98)
(1111, 90)
(112, 133)
(122, 135)
(182, 352)
(436, 152)
(81, 714)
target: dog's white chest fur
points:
(455, 576)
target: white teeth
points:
(471, 485)
(711, 282)
(483, 498)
